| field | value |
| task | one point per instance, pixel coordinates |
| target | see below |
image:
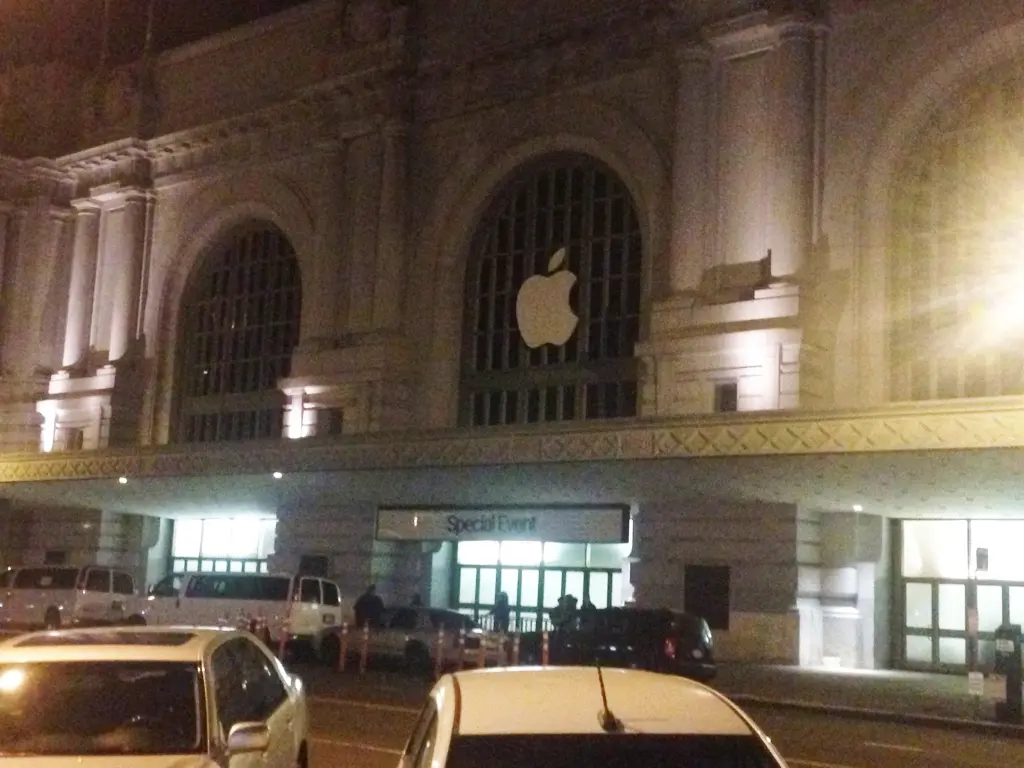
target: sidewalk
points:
(890, 691)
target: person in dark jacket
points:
(501, 612)
(369, 608)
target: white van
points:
(305, 608)
(54, 596)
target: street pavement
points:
(366, 731)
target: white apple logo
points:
(542, 306)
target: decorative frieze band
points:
(952, 428)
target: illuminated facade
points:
(663, 302)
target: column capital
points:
(86, 207)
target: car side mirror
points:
(245, 738)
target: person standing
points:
(501, 612)
(369, 608)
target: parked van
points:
(54, 596)
(304, 608)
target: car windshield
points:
(613, 751)
(100, 708)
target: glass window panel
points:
(952, 607)
(529, 588)
(919, 605)
(187, 538)
(231, 537)
(488, 586)
(599, 589)
(268, 536)
(990, 607)
(467, 585)
(919, 649)
(236, 566)
(574, 584)
(264, 567)
(952, 650)
(607, 555)
(193, 565)
(221, 566)
(1002, 539)
(552, 587)
(1017, 605)
(619, 596)
(521, 552)
(179, 565)
(478, 552)
(509, 584)
(251, 566)
(986, 653)
(565, 555)
(206, 566)
(935, 549)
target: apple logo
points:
(542, 306)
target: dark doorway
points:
(706, 593)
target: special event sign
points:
(566, 524)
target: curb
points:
(882, 715)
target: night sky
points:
(45, 30)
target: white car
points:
(563, 717)
(412, 634)
(185, 697)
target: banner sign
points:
(563, 524)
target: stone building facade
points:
(278, 274)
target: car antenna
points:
(608, 721)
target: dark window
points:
(104, 708)
(55, 557)
(247, 685)
(168, 586)
(123, 583)
(46, 578)
(6, 577)
(633, 751)
(726, 396)
(420, 748)
(310, 592)
(240, 324)
(238, 587)
(314, 565)
(567, 214)
(97, 580)
(332, 595)
(706, 593)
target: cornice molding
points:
(952, 426)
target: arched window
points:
(240, 323)
(956, 266)
(553, 293)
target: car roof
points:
(142, 643)
(567, 700)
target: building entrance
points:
(535, 575)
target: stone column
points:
(794, 132)
(83, 283)
(389, 278)
(130, 247)
(690, 170)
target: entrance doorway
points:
(534, 575)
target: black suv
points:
(655, 639)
